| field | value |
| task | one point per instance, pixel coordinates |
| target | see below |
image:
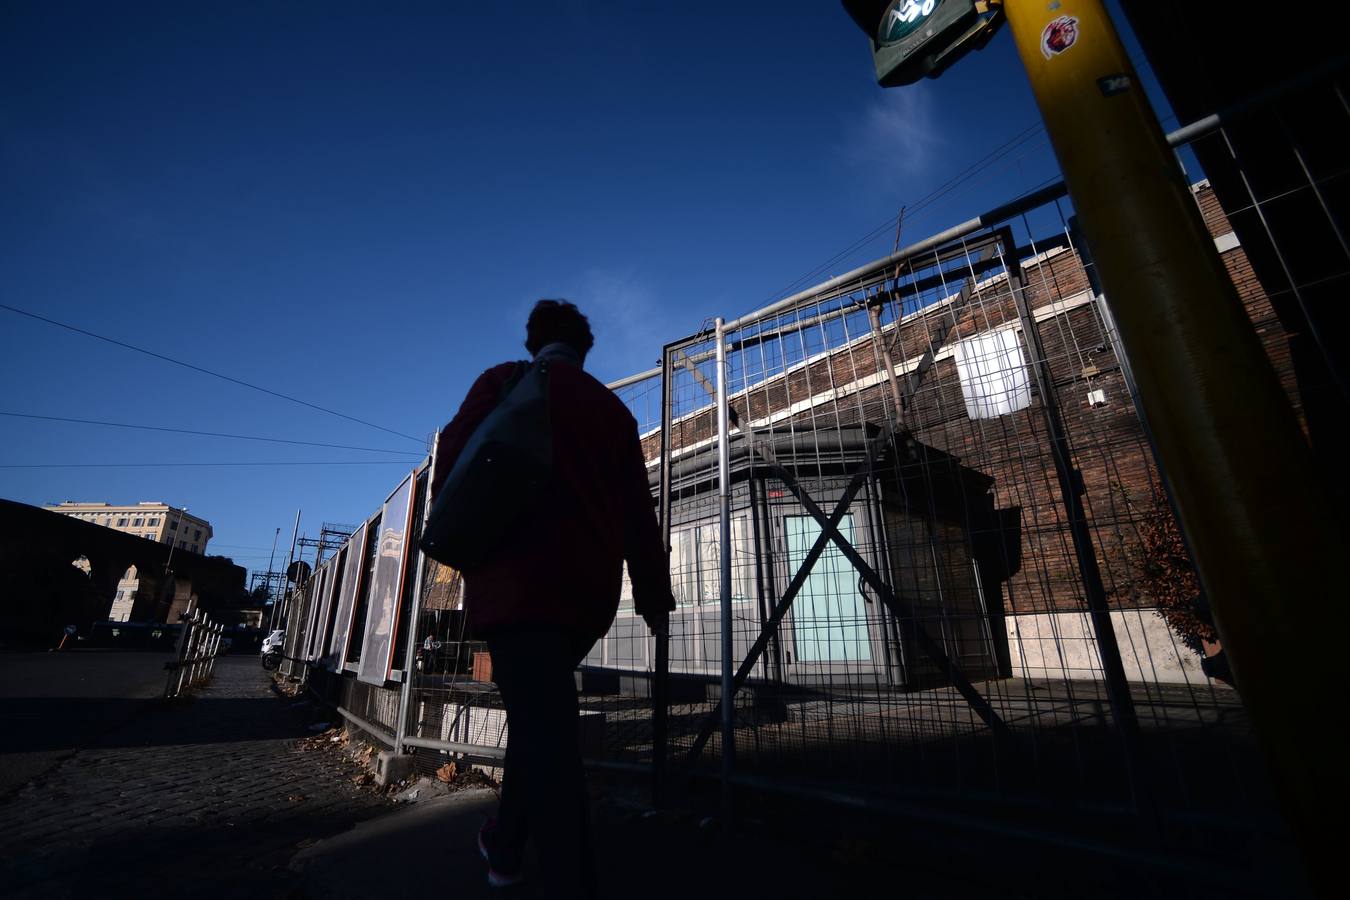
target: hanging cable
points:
(918, 206)
(168, 465)
(186, 365)
(238, 437)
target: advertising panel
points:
(377, 649)
(351, 577)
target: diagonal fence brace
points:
(830, 532)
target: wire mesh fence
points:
(914, 521)
(938, 493)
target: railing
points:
(198, 648)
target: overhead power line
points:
(187, 365)
(168, 465)
(238, 437)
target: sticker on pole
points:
(1059, 35)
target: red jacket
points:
(564, 568)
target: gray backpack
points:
(505, 467)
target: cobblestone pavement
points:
(208, 797)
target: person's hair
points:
(554, 321)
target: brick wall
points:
(1108, 443)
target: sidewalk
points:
(205, 798)
(430, 849)
(780, 849)
(214, 797)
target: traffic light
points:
(912, 39)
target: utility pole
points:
(272, 613)
(290, 558)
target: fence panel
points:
(924, 598)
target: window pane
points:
(683, 567)
(829, 618)
(626, 590)
(742, 561)
(709, 554)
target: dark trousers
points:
(544, 787)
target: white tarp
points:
(993, 374)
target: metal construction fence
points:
(920, 545)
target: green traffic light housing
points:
(913, 39)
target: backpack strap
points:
(517, 373)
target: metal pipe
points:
(724, 492)
(454, 747)
(374, 731)
(635, 378)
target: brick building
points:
(964, 516)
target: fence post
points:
(176, 667)
(203, 639)
(193, 636)
(661, 675)
(215, 651)
(724, 492)
(1071, 491)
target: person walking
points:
(551, 591)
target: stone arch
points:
(124, 600)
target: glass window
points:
(173, 526)
(197, 534)
(194, 548)
(121, 523)
(695, 563)
(139, 523)
(829, 616)
(626, 590)
(152, 522)
(993, 374)
(683, 568)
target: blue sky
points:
(357, 203)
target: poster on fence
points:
(444, 587)
(377, 650)
(314, 588)
(351, 576)
(325, 580)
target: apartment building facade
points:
(150, 519)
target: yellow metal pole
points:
(1265, 543)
